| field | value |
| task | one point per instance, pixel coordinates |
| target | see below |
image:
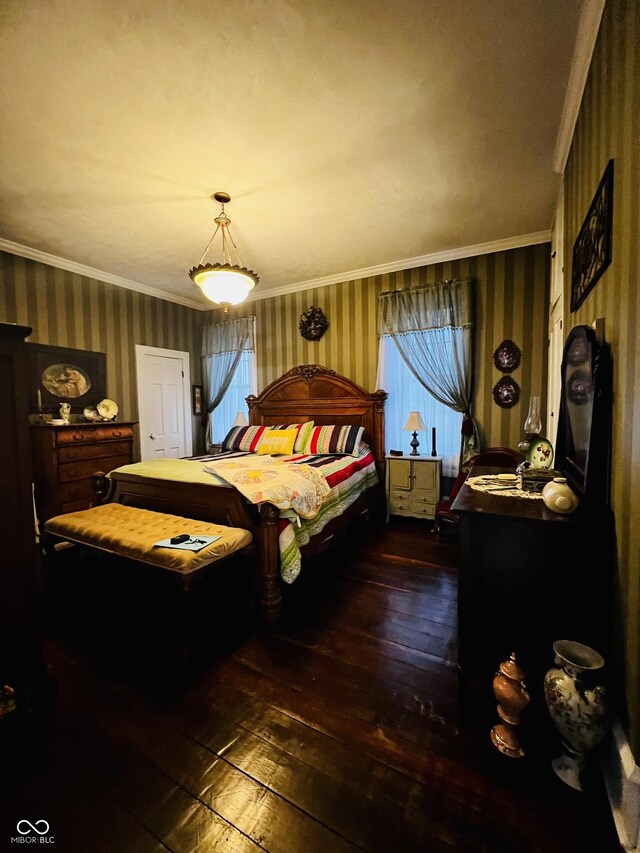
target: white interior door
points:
(163, 403)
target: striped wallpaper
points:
(512, 290)
(609, 127)
(68, 310)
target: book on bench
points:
(194, 543)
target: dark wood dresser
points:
(528, 577)
(65, 457)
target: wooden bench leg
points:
(48, 543)
(186, 620)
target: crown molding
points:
(407, 263)
(338, 278)
(588, 27)
(100, 275)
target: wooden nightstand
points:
(413, 485)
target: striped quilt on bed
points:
(348, 476)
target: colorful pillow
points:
(278, 442)
(246, 438)
(303, 432)
(335, 440)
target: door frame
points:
(555, 333)
(185, 358)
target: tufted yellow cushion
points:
(131, 532)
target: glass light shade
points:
(224, 285)
(533, 424)
(414, 422)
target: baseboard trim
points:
(622, 781)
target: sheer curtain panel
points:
(407, 394)
(432, 328)
(222, 347)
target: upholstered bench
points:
(130, 532)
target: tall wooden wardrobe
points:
(21, 662)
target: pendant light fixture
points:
(224, 283)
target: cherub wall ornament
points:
(313, 324)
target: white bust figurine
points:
(65, 411)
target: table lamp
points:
(414, 424)
(241, 420)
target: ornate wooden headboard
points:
(311, 392)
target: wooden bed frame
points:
(308, 392)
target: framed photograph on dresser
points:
(63, 375)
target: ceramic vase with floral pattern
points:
(578, 706)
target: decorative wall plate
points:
(107, 409)
(313, 324)
(540, 453)
(506, 392)
(507, 356)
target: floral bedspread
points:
(287, 485)
(347, 477)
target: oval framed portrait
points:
(66, 381)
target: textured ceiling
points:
(349, 134)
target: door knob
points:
(152, 435)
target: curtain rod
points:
(424, 286)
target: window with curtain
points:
(406, 394)
(234, 400)
(226, 347)
(431, 328)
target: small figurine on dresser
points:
(65, 412)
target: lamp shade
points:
(225, 286)
(241, 420)
(224, 283)
(414, 423)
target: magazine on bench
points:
(193, 543)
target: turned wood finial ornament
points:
(510, 691)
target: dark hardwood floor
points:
(337, 730)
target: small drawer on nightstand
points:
(423, 508)
(399, 500)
